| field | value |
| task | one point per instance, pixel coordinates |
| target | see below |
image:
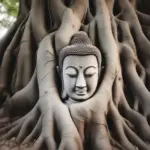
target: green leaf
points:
(8, 9)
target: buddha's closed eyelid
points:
(72, 72)
(90, 71)
(90, 74)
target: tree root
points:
(92, 31)
(32, 128)
(20, 103)
(21, 126)
(53, 5)
(25, 60)
(138, 35)
(89, 16)
(117, 115)
(5, 41)
(141, 71)
(143, 18)
(37, 18)
(20, 129)
(127, 138)
(35, 133)
(136, 119)
(6, 69)
(132, 78)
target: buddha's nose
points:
(81, 83)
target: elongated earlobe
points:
(58, 70)
(64, 95)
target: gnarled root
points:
(127, 138)
(21, 128)
(140, 123)
(20, 103)
(138, 35)
(37, 127)
(133, 79)
(25, 62)
(8, 64)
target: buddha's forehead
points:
(80, 61)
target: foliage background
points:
(8, 12)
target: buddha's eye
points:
(71, 72)
(89, 75)
(89, 72)
(72, 75)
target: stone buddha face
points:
(80, 76)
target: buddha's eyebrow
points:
(90, 67)
(71, 67)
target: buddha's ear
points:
(64, 95)
(58, 70)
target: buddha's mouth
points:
(81, 92)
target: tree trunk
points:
(117, 117)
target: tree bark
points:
(116, 117)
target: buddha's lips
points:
(81, 92)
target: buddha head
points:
(79, 65)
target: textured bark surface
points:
(117, 117)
